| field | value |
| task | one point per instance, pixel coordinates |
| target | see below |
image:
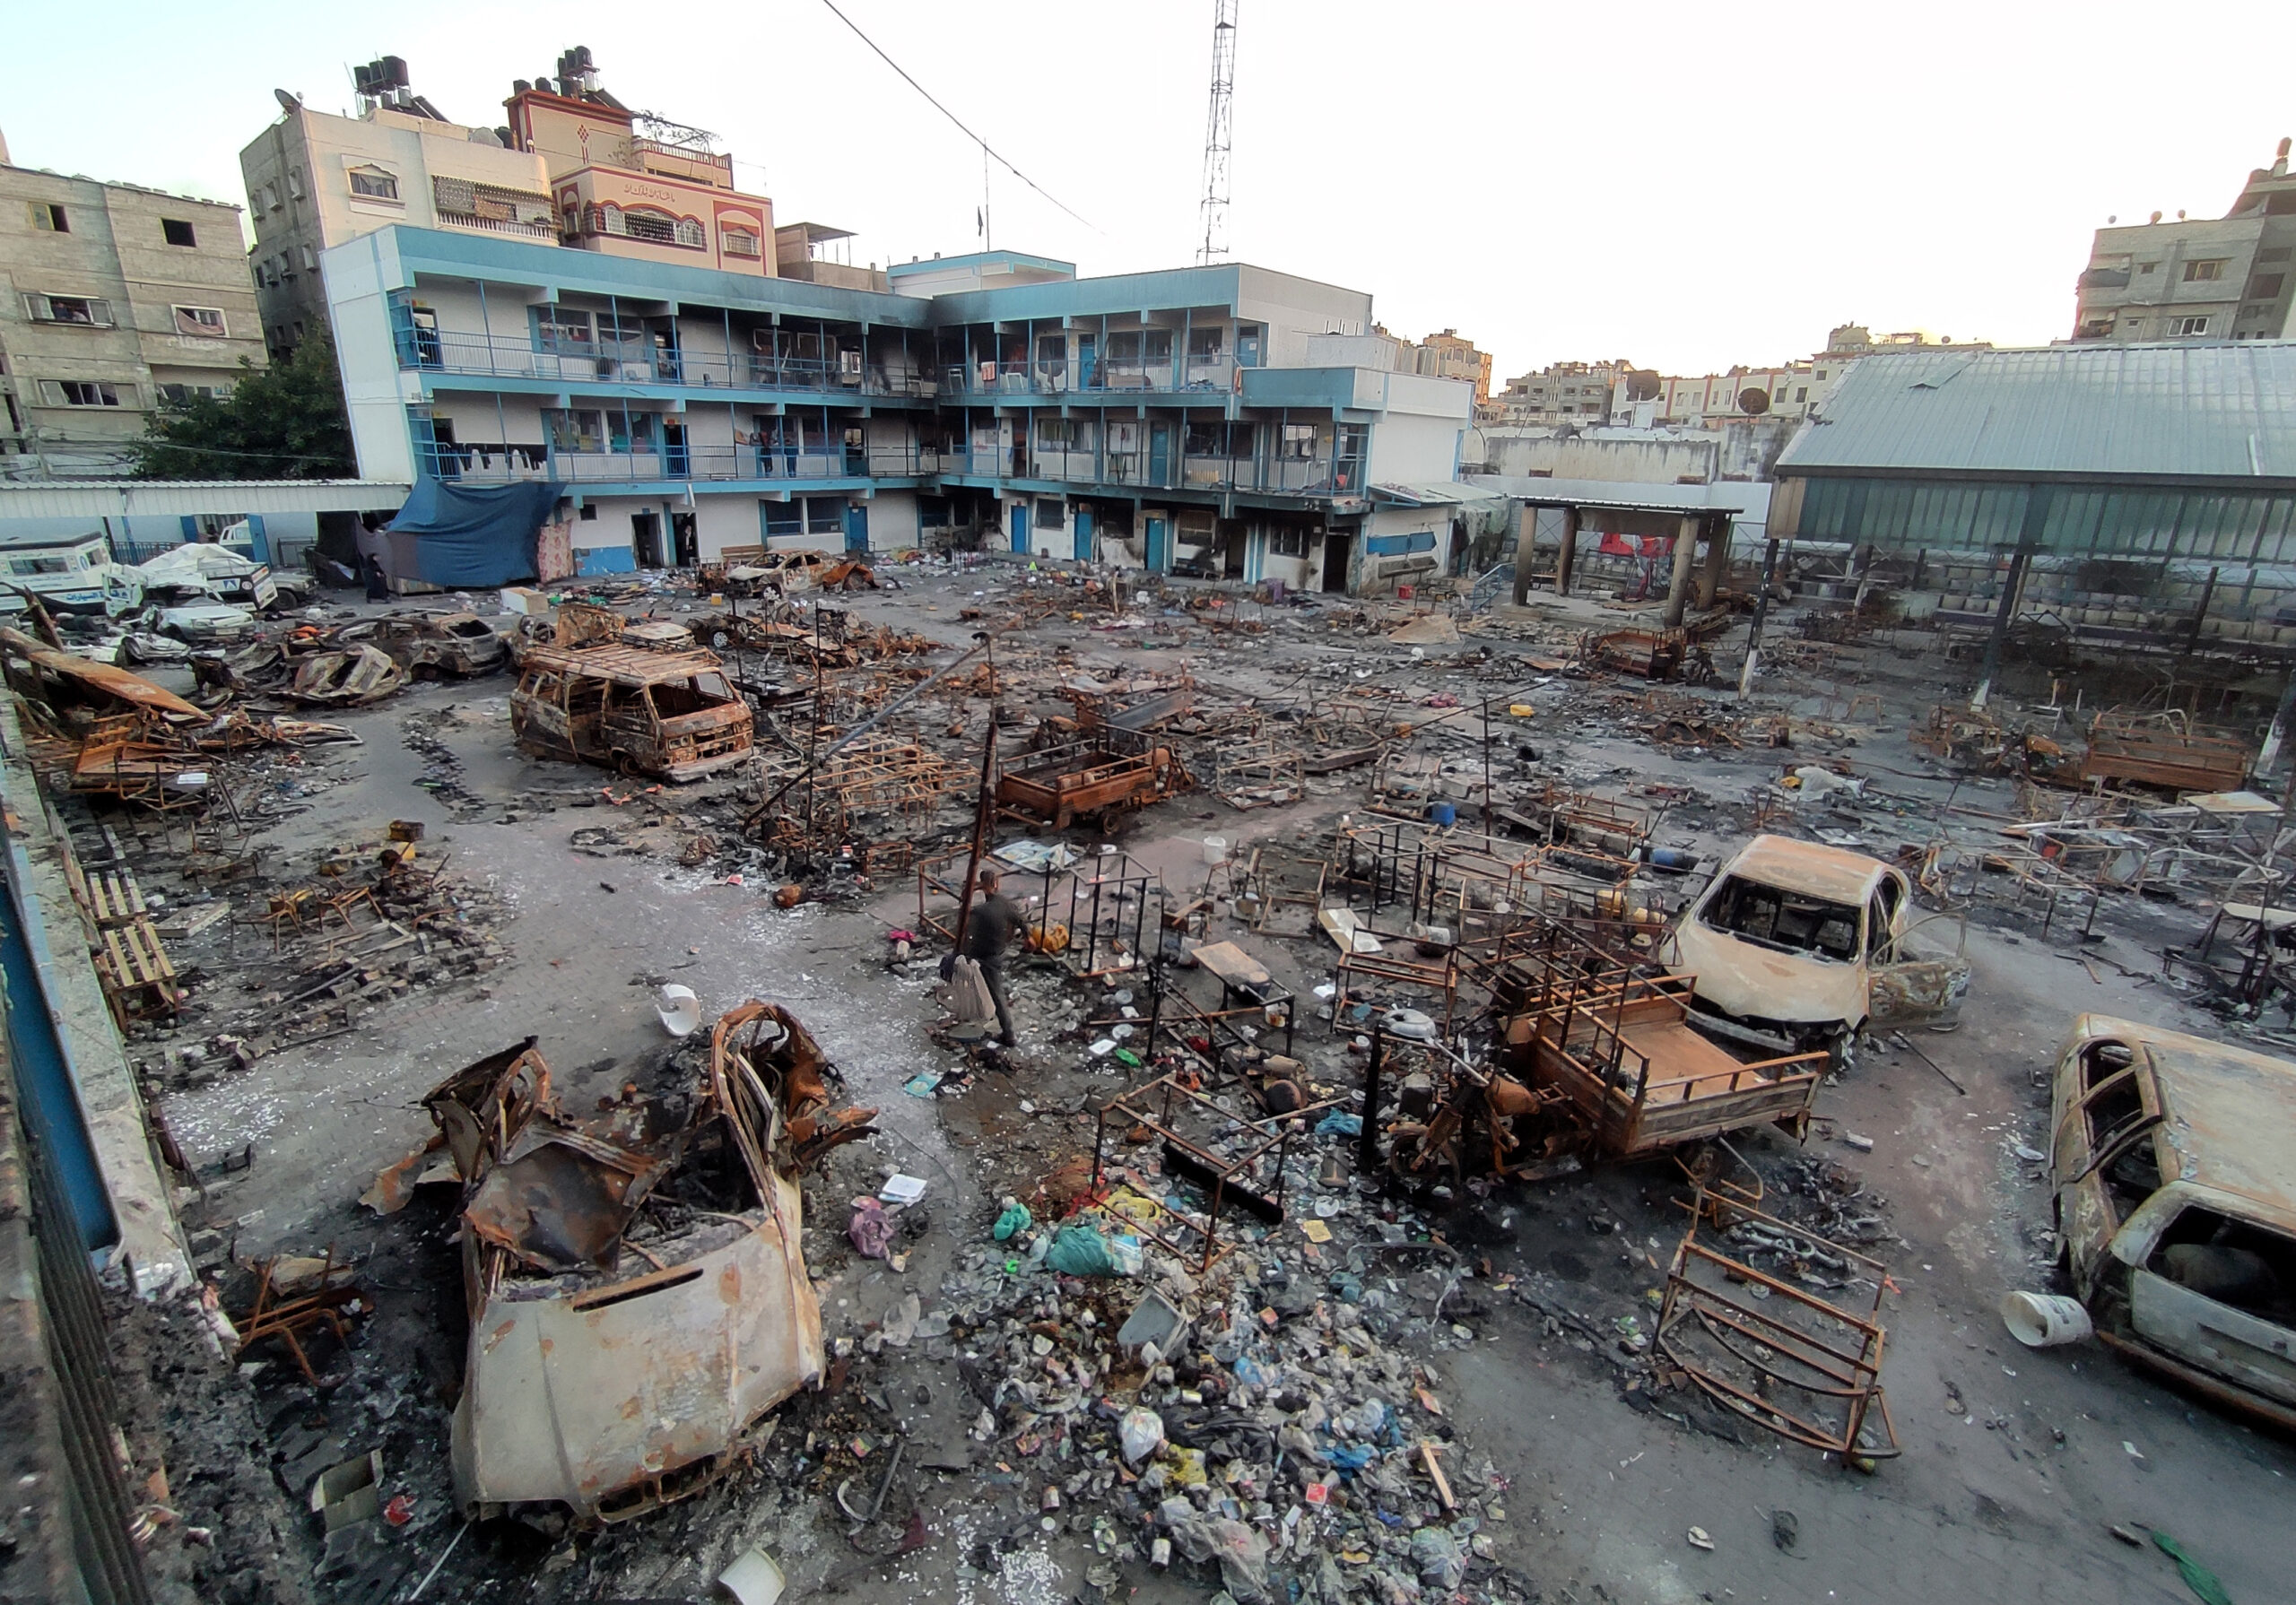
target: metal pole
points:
(980, 815)
(1486, 767)
(1761, 614)
(2029, 540)
(1367, 1143)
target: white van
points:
(71, 575)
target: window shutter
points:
(36, 308)
(51, 394)
(100, 313)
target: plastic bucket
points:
(1403, 592)
(1215, 849)
(754, 1579)
(1443, 814)
(680, 1010)
(2044, 1320)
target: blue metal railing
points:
(643, 362)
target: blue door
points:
(677, 462)
(1088, 361)
(857, 527)
(1159, 546)
(1084, 554)
(1159, 452)
(1020, 527)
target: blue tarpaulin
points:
(470, 535)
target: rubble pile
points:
(1270, 1418)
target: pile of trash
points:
(1260, 1416)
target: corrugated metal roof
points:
(2146, 411)
(1433, 493)
(121, 498)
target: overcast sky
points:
(1689, 185)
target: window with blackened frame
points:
(174, 231)
(1284, 542)
(78, 393)
(1052, 513)
(574, 428)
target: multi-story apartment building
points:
(316, 180)
(1448, 356)
(571, 165)
(1171, 420)
(2228, 278)
(1580, 392)
(117, 298)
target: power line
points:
(952, 117)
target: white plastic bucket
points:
(1216, 850)
(2044, 1320)
(680, 1010)
(752, 1580)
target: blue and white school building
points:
(1210, 420)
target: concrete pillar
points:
(1526, 551)
(1567, 558)
(1718, 562)
(1678, 589)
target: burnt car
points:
(432, 646)
(634, 1279)
(2174, 1189)
(1799, 945)
(667, 714)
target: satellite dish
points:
(1641, 386)
(288, 102)
(1754, 402)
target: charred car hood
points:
(1751, 982)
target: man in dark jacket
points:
(989, 930)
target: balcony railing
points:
(1153, 470)
(500, 225)
(500, 465)
(642, 362)
(1058, 375)
(1145, 469)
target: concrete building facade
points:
(1447, 356)
(316, 180)
(1172, 421)
(117, 300)
(2228, 278)
(571, 165)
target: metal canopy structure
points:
(2180, 414)
(122, 499)
(2167, 454)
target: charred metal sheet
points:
(343, 678)
(1749, 1327)
(102, 680)
(1925, 986)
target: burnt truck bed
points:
(1633, 1071)
(1103, 776)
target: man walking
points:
(989, 930)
